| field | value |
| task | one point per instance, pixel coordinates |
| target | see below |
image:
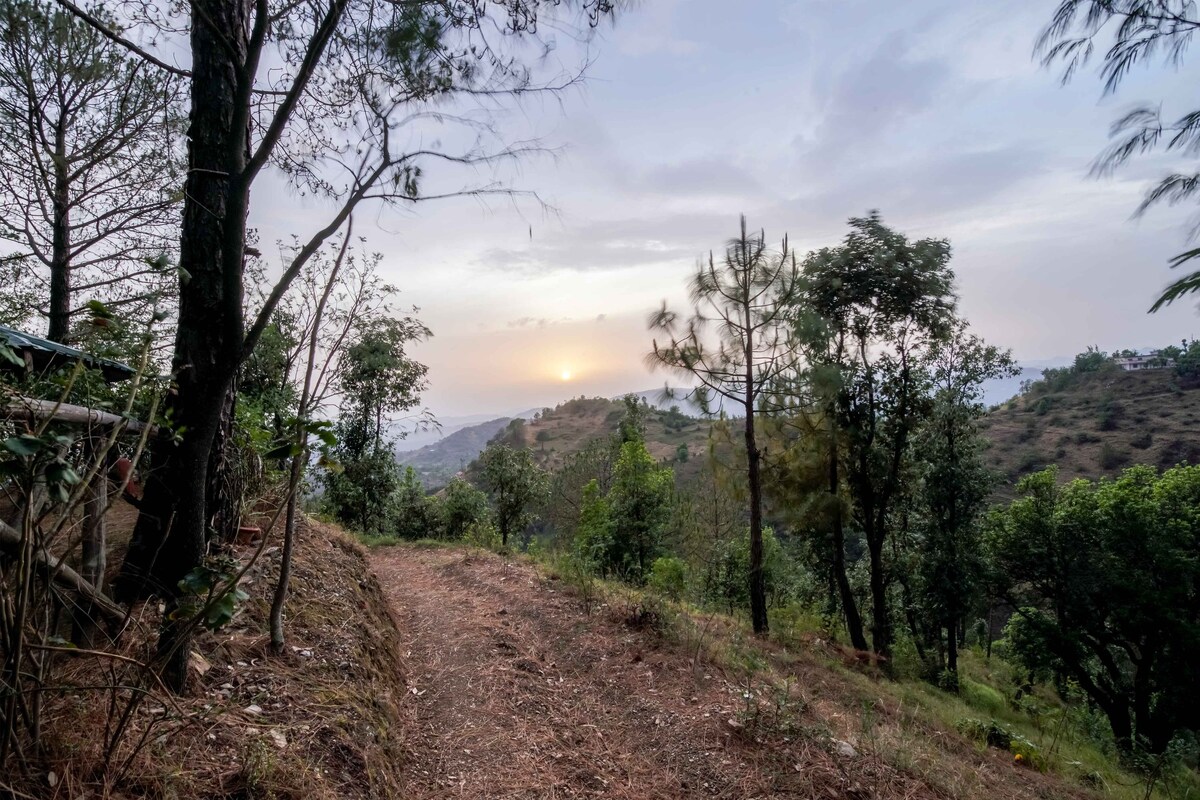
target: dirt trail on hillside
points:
(516, 692)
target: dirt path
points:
(516, 692)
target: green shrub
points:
(668, 577)
(1111, 412)
(1111, 458)
(482, 533)
(991, 733)
(1029, 461)
(981, 697)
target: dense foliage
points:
(1106, 583)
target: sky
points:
(799, 115)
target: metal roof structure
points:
(43, 353)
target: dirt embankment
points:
(321, 721)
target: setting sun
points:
(566, 374)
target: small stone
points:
(277, 738)
(844, 749)
(253, 710)
(198, 663)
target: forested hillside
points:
(437, 463)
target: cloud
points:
(653, 30)
(612, 244)
(709, 175)
(870, 101)
(527, 322)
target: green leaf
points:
(10, 355)
(23, 445)
(62, 473)
(98, 309)
(285, 450)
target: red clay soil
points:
(514, 691)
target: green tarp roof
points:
(44, 353)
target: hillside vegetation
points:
(1094, 424)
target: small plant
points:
(482, 534)
(668, 577)
(990, 733)
(209, 592)
(581, 576)
(1111, 458)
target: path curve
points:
(516, 692)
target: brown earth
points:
(516, 691)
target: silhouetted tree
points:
(871, 313)
(328, 93)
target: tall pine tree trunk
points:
(60, 253)
(226, 481)
(170, 537)
(758, 591)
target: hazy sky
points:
(799, 114)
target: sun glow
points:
(566, 374)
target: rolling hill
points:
(1095, 425)
(555, 434)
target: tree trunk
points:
(758, 589)
(60, 254)
(226, 483)
(910, 616)
(881, 623)
(854, 625)
(952, 649)
(170, 538)
(285, 557)
(301, 458)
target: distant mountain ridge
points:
(438, 462)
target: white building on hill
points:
(1151, 360)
